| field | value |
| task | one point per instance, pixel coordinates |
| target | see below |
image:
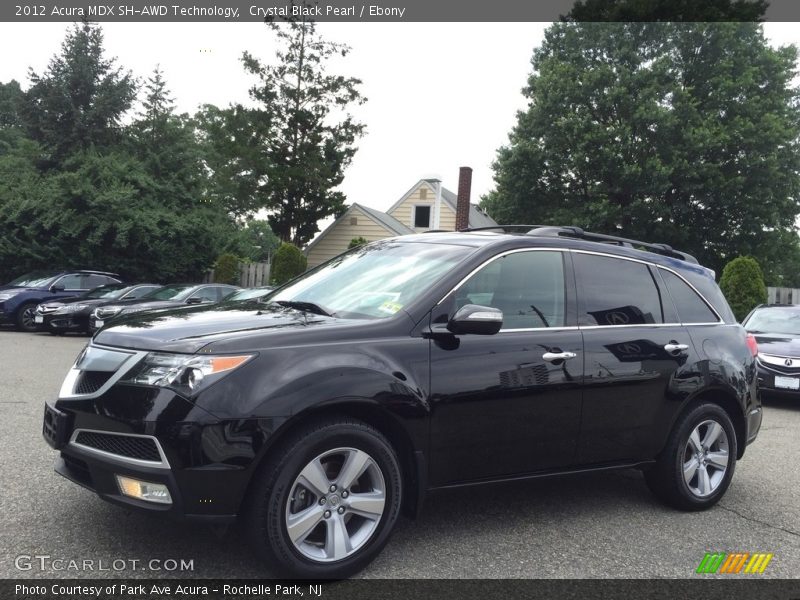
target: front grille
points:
(91, 381)
(140, 448)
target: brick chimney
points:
(462, 204)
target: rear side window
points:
(691, 307)
(613, 292)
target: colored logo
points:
(737, 562)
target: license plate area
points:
(55, 427)
(787, 383)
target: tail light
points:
(752, 345)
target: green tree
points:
(226, 269)
(742, 282)
(687, 11)
(356, 242)
(78, 103)
(306, 138)
(287, 263)
(679, 133)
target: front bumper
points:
(65, 322)
(205, 463)
(787, 378)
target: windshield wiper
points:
(305, 307)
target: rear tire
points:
(337, 486)
(695, 468)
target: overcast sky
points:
(441, 95)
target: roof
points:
(385, 219)
(388, 222)
(477, 216)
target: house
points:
(414, 212)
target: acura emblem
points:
(788, 362)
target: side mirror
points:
(194, 301)
(476, 319)
(57, 287)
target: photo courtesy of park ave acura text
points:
(403, 299)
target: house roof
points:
(388, 222)
(477, 216)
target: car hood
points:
(150, 304)
(778, 344)
(188, 329)
(16, 288)
(87, 301)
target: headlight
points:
(71, 308)
(185, 373)
(9, 294)
(105, 312)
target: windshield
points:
(34, 279)
(775, 320)
(107, 291)
(249, 294)
(169, 292)
(374, 281)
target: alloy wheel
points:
(28, 316)
(335, 504)
(706, 458)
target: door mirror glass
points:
(476, 319)
(57, 287)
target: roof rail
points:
(576, 232)
(504, 228)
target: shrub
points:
(742, 282)
(226, 269)
(287, 263)
(356, 242)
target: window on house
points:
(422, 216)
(423, 194)
(353, 220)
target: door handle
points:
(673, 347)
(554, 356)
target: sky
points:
(440, 95)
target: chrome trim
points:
(67, 391)
(491, 260)
(696, 291)
(162, 464)
(487, 262)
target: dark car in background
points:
(168, 296)
(776, 328)
(425, 362)
(72, 314)
(19, 298)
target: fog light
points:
(144, 490)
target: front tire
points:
(696, 467)
(25, 317)
(325, 505)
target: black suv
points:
(408, 365)
(18, 298)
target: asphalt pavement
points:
(598, 525)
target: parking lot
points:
(600, 525)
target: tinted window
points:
(613, 291)
(73, 282)
(207, 294)
(93, 281)
(527, 286)
(691, 308)
(140, 291)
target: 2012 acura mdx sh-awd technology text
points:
(411, 364)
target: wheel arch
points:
(413, 467)
(729, 402)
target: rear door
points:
(634, 345)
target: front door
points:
(508, 404)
